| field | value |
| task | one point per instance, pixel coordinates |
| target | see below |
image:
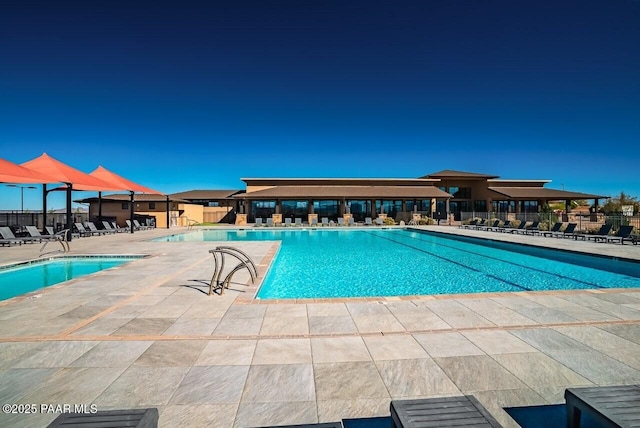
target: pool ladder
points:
(244, 260)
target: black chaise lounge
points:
(623, 234)
(568, 232)
(600, 234)
(555, 228)
(609, 406)
(521, 227)
(493, 226)
(441, 412)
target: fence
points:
(585, 222)
(18, 220)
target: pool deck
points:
(145, 335)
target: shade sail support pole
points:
(69, 213)
(131, 210)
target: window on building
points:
(504, 206)
(152, 205)
(529, 206)
(293, 209)
(125, 205)
(327, 209)
(480, 206)
(460, 192)
(213, 204)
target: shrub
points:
(388, 221)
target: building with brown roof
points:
(439, 195)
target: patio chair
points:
(139, 226)
(352, 222)
(107, 226)
(340, 221)
(314, 221)
(469, 225)
(568, 232)
(92, 227)
(35, 233)
(287, 222)
(623, 234)
(325, 221)
(269, 222)
(521, 228)
(120, 229)
(129, 225)
(258, 222)
(505, 226)
(83, 231)
(8, 235)
(554, 229)
(532, 229)
(298, 222)
(367, 221)
(140, 418)
(600, 234)
(379, 221)
(482, 223)
(493, 226)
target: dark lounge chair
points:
(480, 224)
(568, 232)
(532, 229)
(469, 225)
(140, 418)
(493, 226)
(623, 234)
(521, 228)
(441, 412)
(8, 236)
(601, 233)
(505, 227)
(609, 406)
(554, 229)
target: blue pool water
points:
(24, 278)
(317, 263)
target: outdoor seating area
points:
(624, 233)
(345, 221)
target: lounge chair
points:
(379, 221)
(340, 221)
(137, 224)
(120, 229)
(494, 226)
(532, 229)
(521, 228)
(141, 418)
(623, 234)
(482, 223)
(83, 231)
(608, 406)
(568, 232)
(258, 222)
(325, 221)
(351, 222)
(287, 222)
(505, 226)
(35, 233)
(92, 227)
(600, 234)
(270, 222)
(298, 222)
(554, 229)
(367, 221)
(107, 226)
(8, 235)
(314, 221)
(469, 225)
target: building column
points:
(567, 204)
(310, 208)
(278, 206)
(374, 214)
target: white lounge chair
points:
(287, 222)
(258, 222)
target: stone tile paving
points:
(147, 335)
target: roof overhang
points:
(535, 193)
(341, 192)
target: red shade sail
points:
(14, 173)
(51, 167)
(111, 177)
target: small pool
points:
(22, 278)
(368, 262)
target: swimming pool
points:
(317, 263)
(22, 278)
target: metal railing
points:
(244, 260)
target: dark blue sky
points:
(187, 95)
